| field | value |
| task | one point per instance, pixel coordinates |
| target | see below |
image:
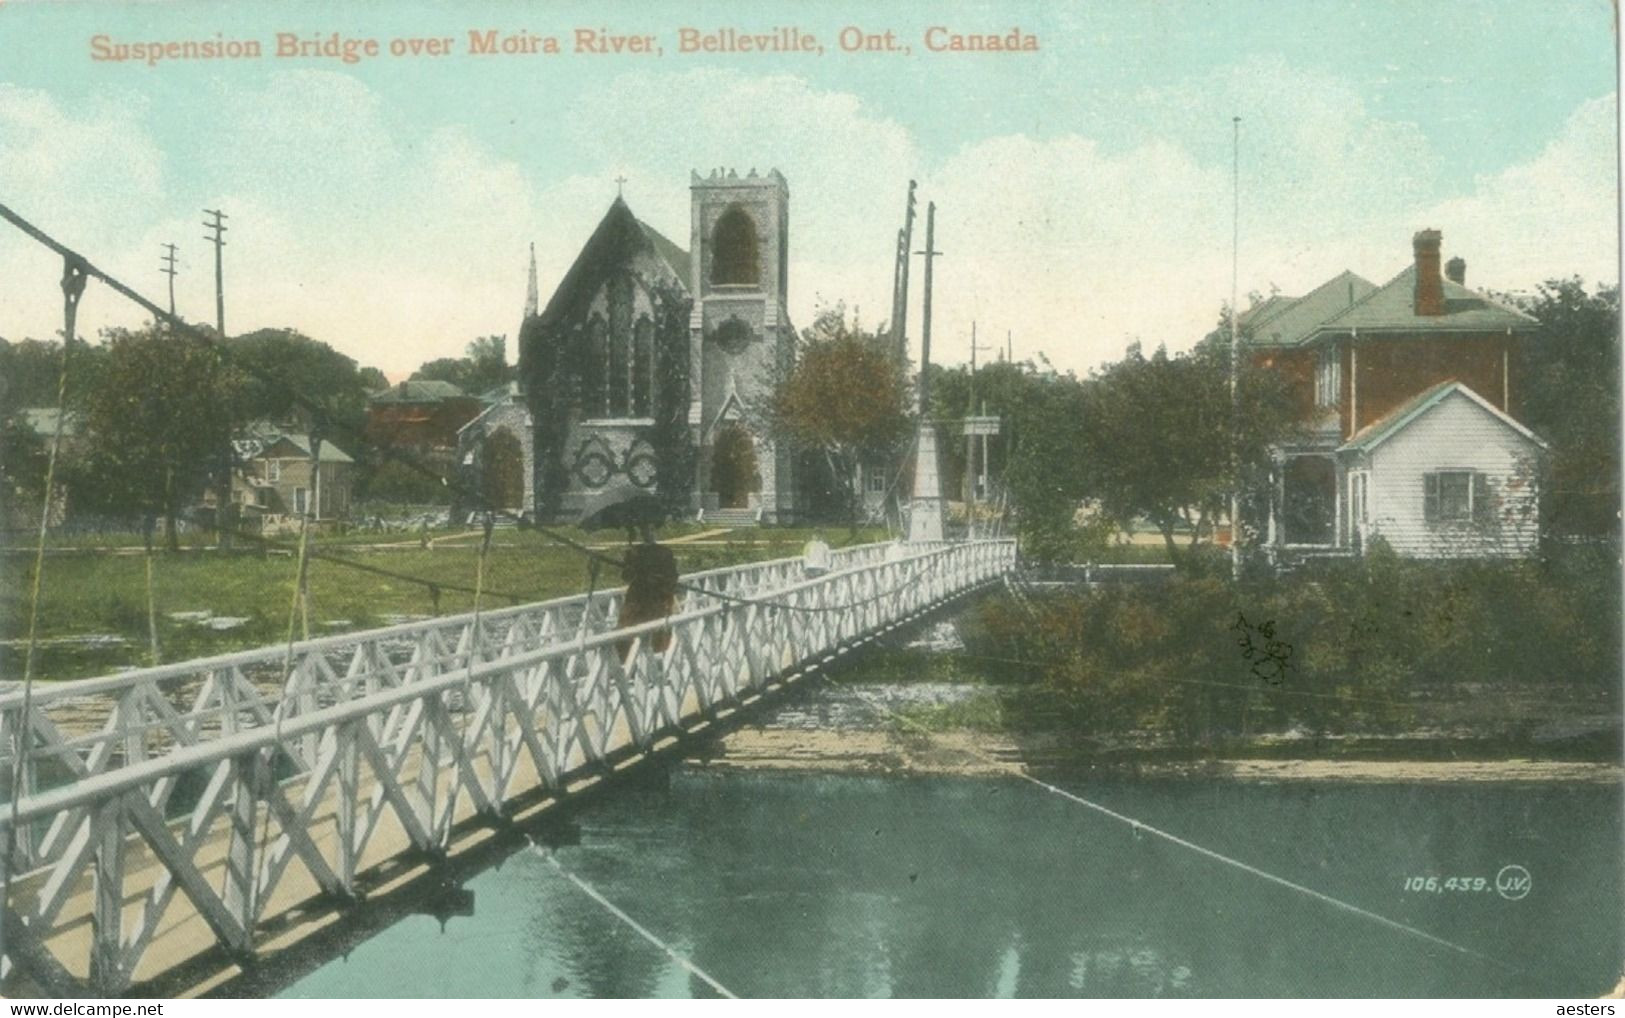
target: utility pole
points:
(1009, 349)
(222, 490)
(218, 238)
(900, 322)
(931, 253)
(925, 515)
(169, 270)
(970, 411)
(899, 259)
(1235, 351)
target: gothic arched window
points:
(594, 376)
(643, 350)
(733, 249)
(620, 345)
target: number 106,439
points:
(1439, 885)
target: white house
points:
(1446, 475)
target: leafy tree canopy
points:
(274, 364)
(845, 398)
(157, 420)
(484, 366)
(1569, 382)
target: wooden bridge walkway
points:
(180, 824)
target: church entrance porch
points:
(502, 472)
(734, 474)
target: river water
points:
(827, 885)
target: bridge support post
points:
(240, 856)
(107, 908)
(349, 774)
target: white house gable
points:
(1456, 480)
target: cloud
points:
(1555, 215)
(399, 241)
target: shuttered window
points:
(1455, 496)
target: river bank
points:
(980, 754)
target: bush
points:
(1341, 648)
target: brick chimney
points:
(1455, 270)
(1429, 286)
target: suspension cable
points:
(637, 928)
(74, 273)
(1141, 826)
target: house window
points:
(1455, 496)
(875, 480)
(273, 470)
(733, 249)
(300, 499)
(1328, 377)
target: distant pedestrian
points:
(815, 556)
(650, 572)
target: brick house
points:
(1405, 394)
(423, 416)
(275, 478)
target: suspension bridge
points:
(187, 814)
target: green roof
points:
(1392, 308)
(301, 443)
(1346, 303)
(1291, 321)
(1396, 420)
(418, 391)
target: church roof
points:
(673, 255)
(618, 231)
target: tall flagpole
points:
(1235, 350)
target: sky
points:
(1084, 191)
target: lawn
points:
(93, 612)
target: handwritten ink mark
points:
(1269, 655)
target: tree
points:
(483, 367)
(1046, 476)
(1568, 391)
(1160, 439)
(276, 365)
(156, 419)
(845, 399)
(30, 369)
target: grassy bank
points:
(93, 613)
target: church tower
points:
(741, 343)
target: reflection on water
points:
(818, 886)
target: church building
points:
(648, 374)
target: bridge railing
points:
(91, 726)
(406, 730)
